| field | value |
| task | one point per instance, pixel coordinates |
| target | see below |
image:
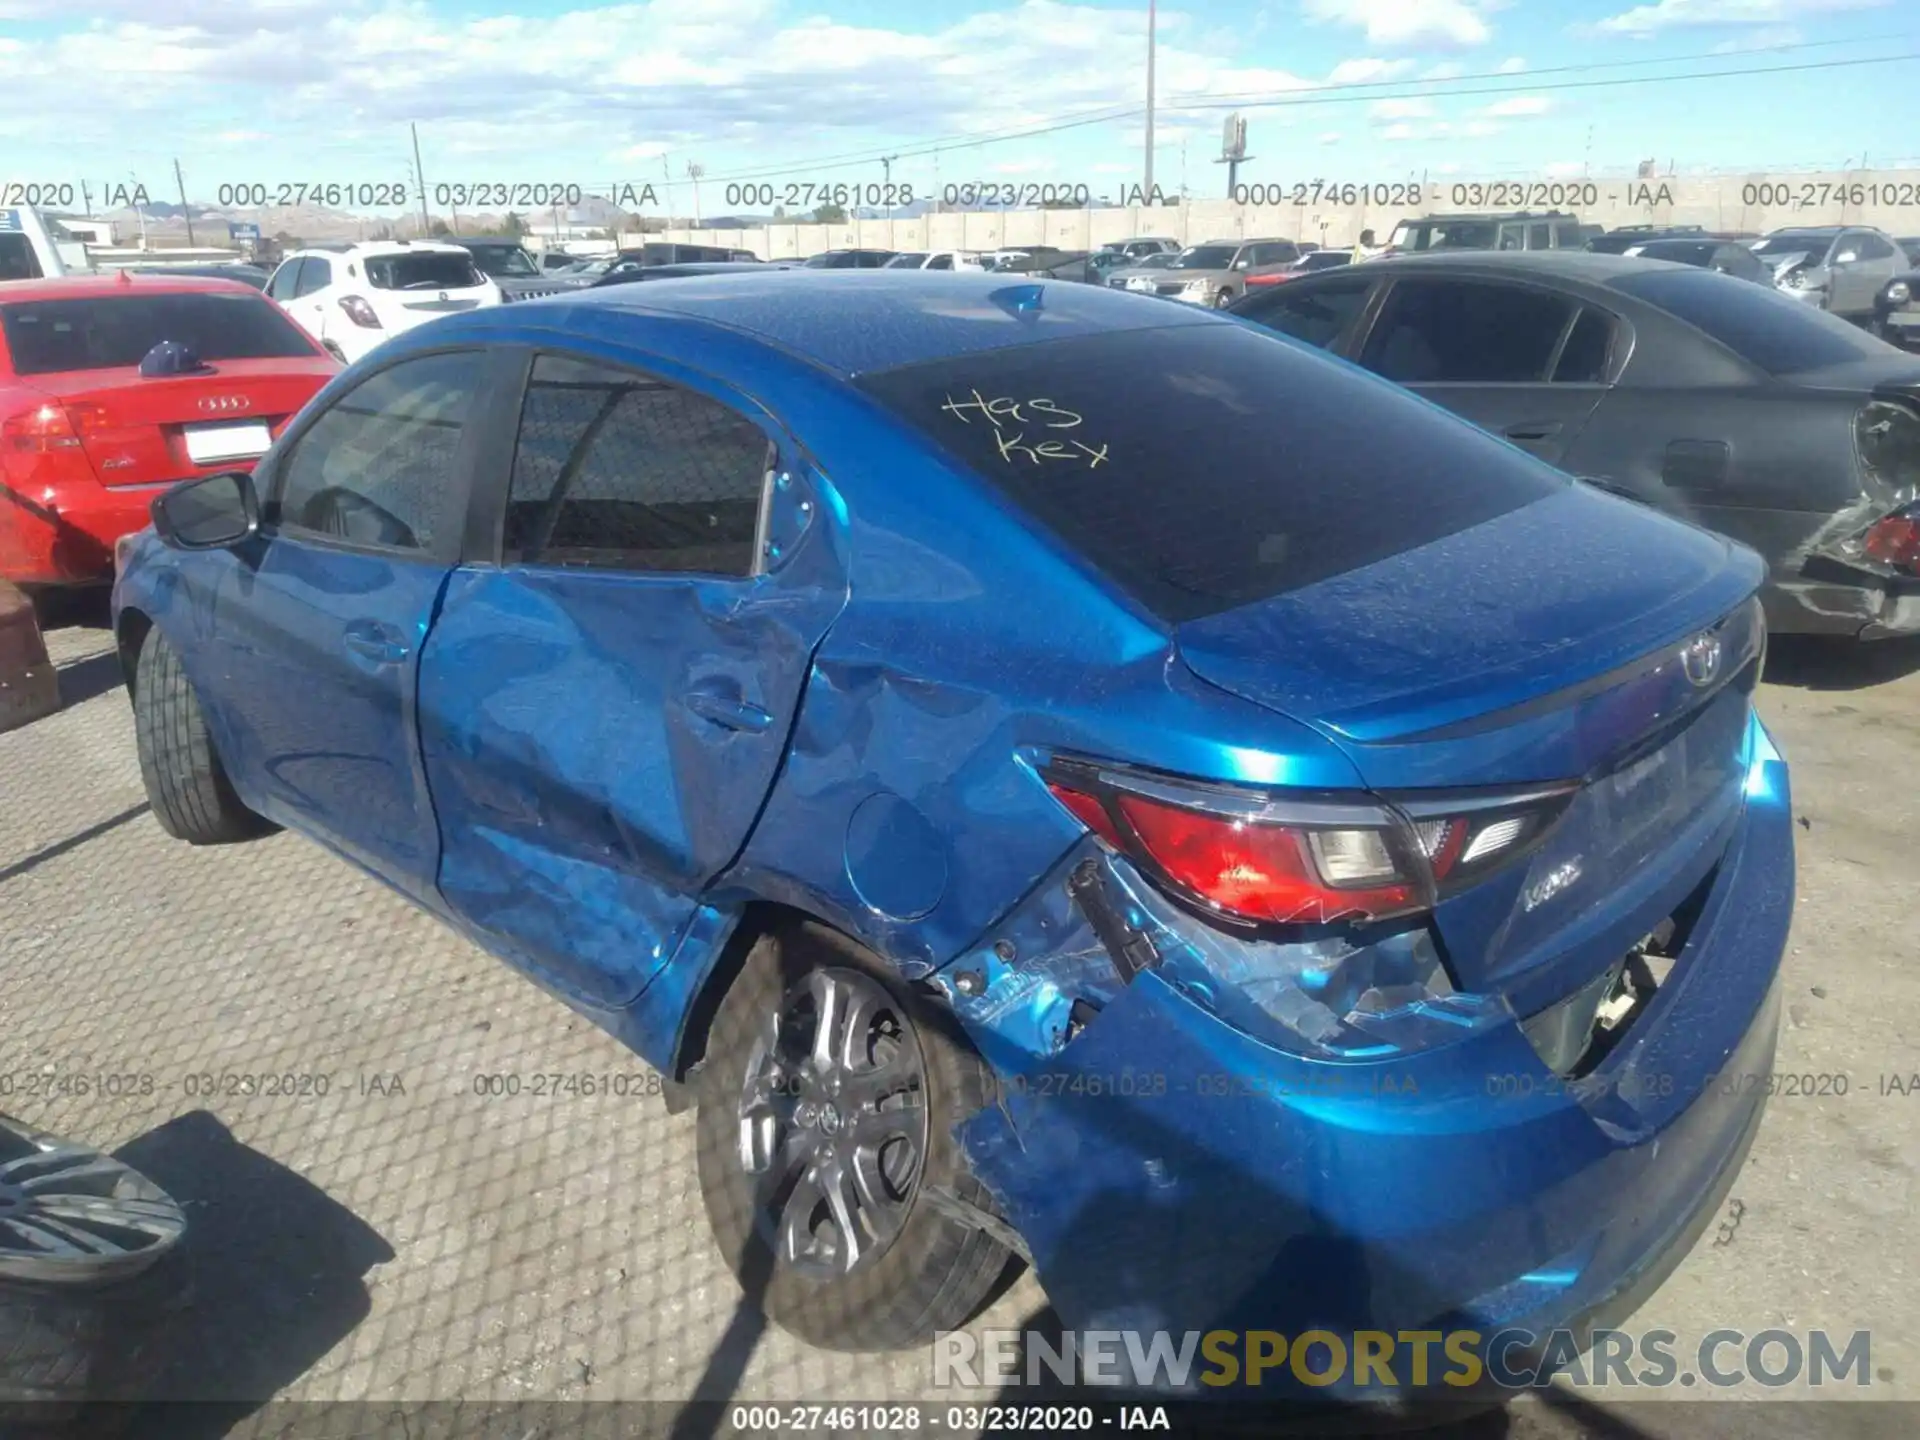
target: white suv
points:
(352, 297)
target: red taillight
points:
(1272, 872)
(360, 312)
(1273, 858)
(48, 427)
(1896, 541)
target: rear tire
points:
(932, 1272)
(187, 786)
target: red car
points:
(98, 413)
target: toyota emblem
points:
(1700, 659)
(225, 404)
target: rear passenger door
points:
(608, 690)
(1528, 363)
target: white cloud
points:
(1512, 65)
(1367, 71)
(1519, 105)
(1479, 129)
(1406, 24)
(1560, 169)
(1445, 70)
(1645, 20)
(1330, 137)
(1108, 167)
(1418, 132)
(240, 137)
(1768, 38)
(1412, 107)
(735, 84)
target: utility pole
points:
(1152, 22)
(886, 192)
(181, 184)
(426, 225)
(86, 197)
(694, 172)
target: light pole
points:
(694, 172)
(1152, 21)
(886, 192)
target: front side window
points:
(379, 467)
(1204, 257)
(1441, 331)
(940, 262)
(286, 280)
(17, 260)
(618, 470)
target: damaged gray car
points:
(1716, 400)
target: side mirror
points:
(209, 514)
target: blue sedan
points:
(1041, 771)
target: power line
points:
(1518, 81)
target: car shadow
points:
(1820, 662)
(82, 680)
(279, 1276)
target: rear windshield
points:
(1782, 336)
(503, 260)
(1204, 467)
(433, 270)
(49, 337)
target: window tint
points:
(1207, 466)
(316, 273)
(1513, 237)
(430, 270)
(1540, 237)
(285, 282)
(378, 467)
(1869, 246)
(1439, 330)
(940, 262)
(1584, 361)
(50, 337)
(1780, 335)
(616, 469)
(1318, 316)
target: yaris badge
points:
(1700, 659)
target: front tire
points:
(827, 1103)
(187, 786)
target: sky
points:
(1038, 92)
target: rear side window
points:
(1318, 316)
(286, 280)
(17, 260)
(430, 271)
(1442, 331)
(619, 470)
(1208, 466)
(378, 468)
(50, 337)
(1781, 336)
(316, 273)
(1584, 360)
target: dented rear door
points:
(605, 708)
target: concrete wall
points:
(1889, 199)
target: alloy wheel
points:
(833, 1123)
(71, 1215)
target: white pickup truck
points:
(30, 247)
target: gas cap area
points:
(896, 861)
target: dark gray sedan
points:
(1722, 402)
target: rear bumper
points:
(1168, 1172)
(67, 538)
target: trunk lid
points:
(139, 430)
(1569, 640)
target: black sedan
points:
(1721, 402)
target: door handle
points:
(372, 641)
(1532, 430)
(725, 710)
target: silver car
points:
(1216, 273)
(1838, 268)
(1142, 273)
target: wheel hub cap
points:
(833, 1123)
